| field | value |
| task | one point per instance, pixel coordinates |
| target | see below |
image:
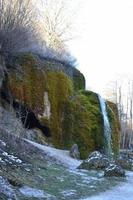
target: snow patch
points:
(69, 193)
(10, 158)
(2, 143)
(62, 156)
(32, 192)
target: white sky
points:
(106, 46)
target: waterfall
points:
(107, 129)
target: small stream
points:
(60, 183)
(122, 191)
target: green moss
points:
(115, 126)
(59, 88)
(30, 89)
(78, 81)
(26, 59)
(75, 114)
(83, 123)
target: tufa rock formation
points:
(56, 94)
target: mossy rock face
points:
(83, 123)
(115, 126)
(46, 64)
(75, 114)
(29, 87)
(59, 88)
(78, 80)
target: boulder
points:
(74, 152)
(96, 154)
(114, 170)
(125, 163)
(96, 161)
(126, 154)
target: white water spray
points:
(107, 129)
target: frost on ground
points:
(68, 193)
(34, 171)
(6, 158)
(5, 188)
(122, 192)
(62, 156)
(33, 192)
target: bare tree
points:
(130, 138)
(16, 25)
(58, 18)
(124, 125)
(122, 95)
(111, 91)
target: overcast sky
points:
(106, 46)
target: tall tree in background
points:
(122, 95)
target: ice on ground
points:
(61, 156)
(69, 193)
(122, 192)
(32, 192)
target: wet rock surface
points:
(125, 160)
(114, 170)
(98, 161)
(125, 163)
(126, 154)
(95, 161)
(74, 152)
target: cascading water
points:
(107, 129)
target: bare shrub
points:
(17, 18)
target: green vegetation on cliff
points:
(115, 126)
(78, 81)
(75, 114)
(83, 123)
(59, 88)
(29, 87)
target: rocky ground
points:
(111, 167)
(20, 165)
(29, 170)
(32, 171)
